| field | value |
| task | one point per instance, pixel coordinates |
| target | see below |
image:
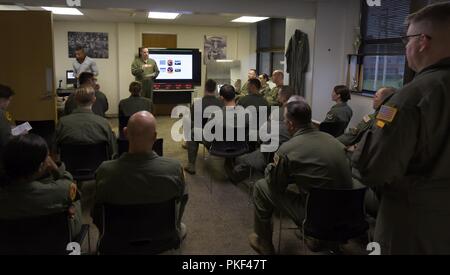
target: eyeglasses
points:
(405, 39)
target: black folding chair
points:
(228, 149)
(43, 235)
(137, 229)
(44, 128)
(123, 122)
(123, 145)
(333, 128)
(333, 215)
(82, 160)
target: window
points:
(380, 71)
(383, 59)
(271, 44)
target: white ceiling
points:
(141, 17)
(200, 12)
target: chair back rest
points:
(149, 228)
(123, 122)
(333, 128)
(44, 128)
(230, 148)
(335, 215)
(84, 158)
(47, 235)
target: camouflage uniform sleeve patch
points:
(8, 117)
(73, 191)
(276, 159)
(380, 124)
(366, 118)
(330, 116)
(387, 113)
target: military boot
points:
(261, 239)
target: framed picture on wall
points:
(95, 44)
(215, 48)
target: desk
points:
(64, 91)
(172, 96)
(165, 100)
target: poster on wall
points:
(215, 48)
(95, 44)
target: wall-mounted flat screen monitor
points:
(177, 65)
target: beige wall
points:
(307, 26)
(335, 32)
(108, 68)
(125, 38)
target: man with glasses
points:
(406, 152)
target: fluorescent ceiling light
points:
(11, 8)
(249, 19)
(224, 60)
(63, 11)
(163, 15)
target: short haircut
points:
(389, 90)
(84, 96)
(343, 91)
(278, 72)
(265, 76)
(438, 15)
(135, 88)
(299, 112)
(23, 155)
(227, 92)
(255, 82)
(79, 48)
(85, 77)
(286, 91)
(210, 86)
(6, 91)
(295, 98)
(254, 70)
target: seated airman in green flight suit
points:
(141, 176)
(309, 159)
(340, 111)
(35, 185)
(354, 135)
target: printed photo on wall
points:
(215, 48)
(95, 44)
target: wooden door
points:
(27, 64)
(156, 40)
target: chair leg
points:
(204, 153)
(279, 232)
(250, 188)
(89, 240)
(210, 183)
(304, 241)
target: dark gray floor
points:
(218, 215)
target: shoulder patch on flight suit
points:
(72, 191)
(380, 124)
(330, 116)
(8, 116)
(387, 113)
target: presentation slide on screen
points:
(173, 66)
